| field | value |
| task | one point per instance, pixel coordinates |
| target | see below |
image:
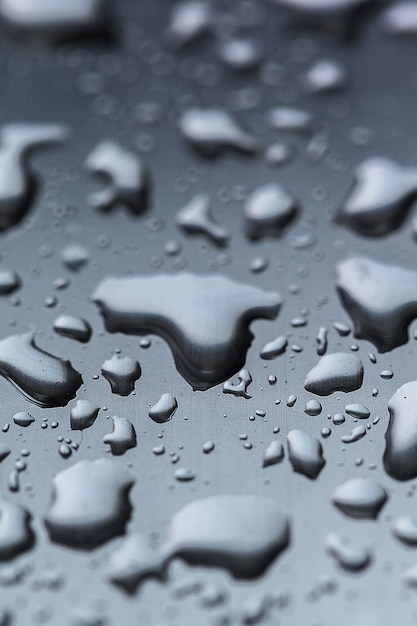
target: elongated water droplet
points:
(400, 458)
(274, 348)
(16, 534)
(204, 319)
(289, 119)
(212, 131)
(23, 419)
(356, 434)
(324, 76)
(305, 453)
(358, 410)
(41, 377)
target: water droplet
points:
(273, 454)
(74, 256)
(204, 319)
(23, 419)
(16, 534)
(164, 409)
(17, 141)
(208, 447)
(90, 503)
(325, 76)
(274, 348)
(9, 281)
(239, 390)
(279, 153)
(184, 475)
(305, 453)
(405, 529)
(41, 377)
(240, 53)
(212, 131)
(401, 18)
(189, 20)
(196, 217)
(360, 498)
(356, 434)
(380, 197)
(348, 557)
(268, 210)
(123, 436)
(358, 410)
(122, 373)
(83, 415)
(128, 176)
(321, 340)
(313, 407)
(73, 327)
(400, 458)
(339, 371)
(289, 119)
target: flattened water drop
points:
(401, 18)
(9, 282)
(240, 53)
(356, 434)
(325, 75)
(73, 327)
(74, 256)
(240, 390)
(17, 141)
(50, 20)
(313, 408)
(90, 504)
(128, 176)
(16, 534)
(305, 453)
(360, 498)
(349, 557)
(164, 409)
(204, 319)
(83, 415)
(41, 377)
(196, 218)
(339, 371)
(122, 373)
(123, 436)
(189, 20)
(379, 298)
(380, 197)
(290, 119)
(268, 210)
(359, 411)
(213, 131)
(23, 419)
(400, 458)
(274, 348)
(242, 534)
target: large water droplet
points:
(361, 498)
(380, 299)
(268, 210)
(164, 409)
(204, 319)
(73, 327)
(90, 503)
(41, 377)
(122, 373)
(382, 193)
(400, 458)
(16, 534)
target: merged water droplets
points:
(41, 377)
(240, 389)
(380, 299)
(339, 371)
(196, 218)
(213, 131)
(17, 141)
(361, 498)
(128, 176)
(90, 503)
(242, 534)
(267, 210)
(204, 319)
(381, 195)
(351, 558)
